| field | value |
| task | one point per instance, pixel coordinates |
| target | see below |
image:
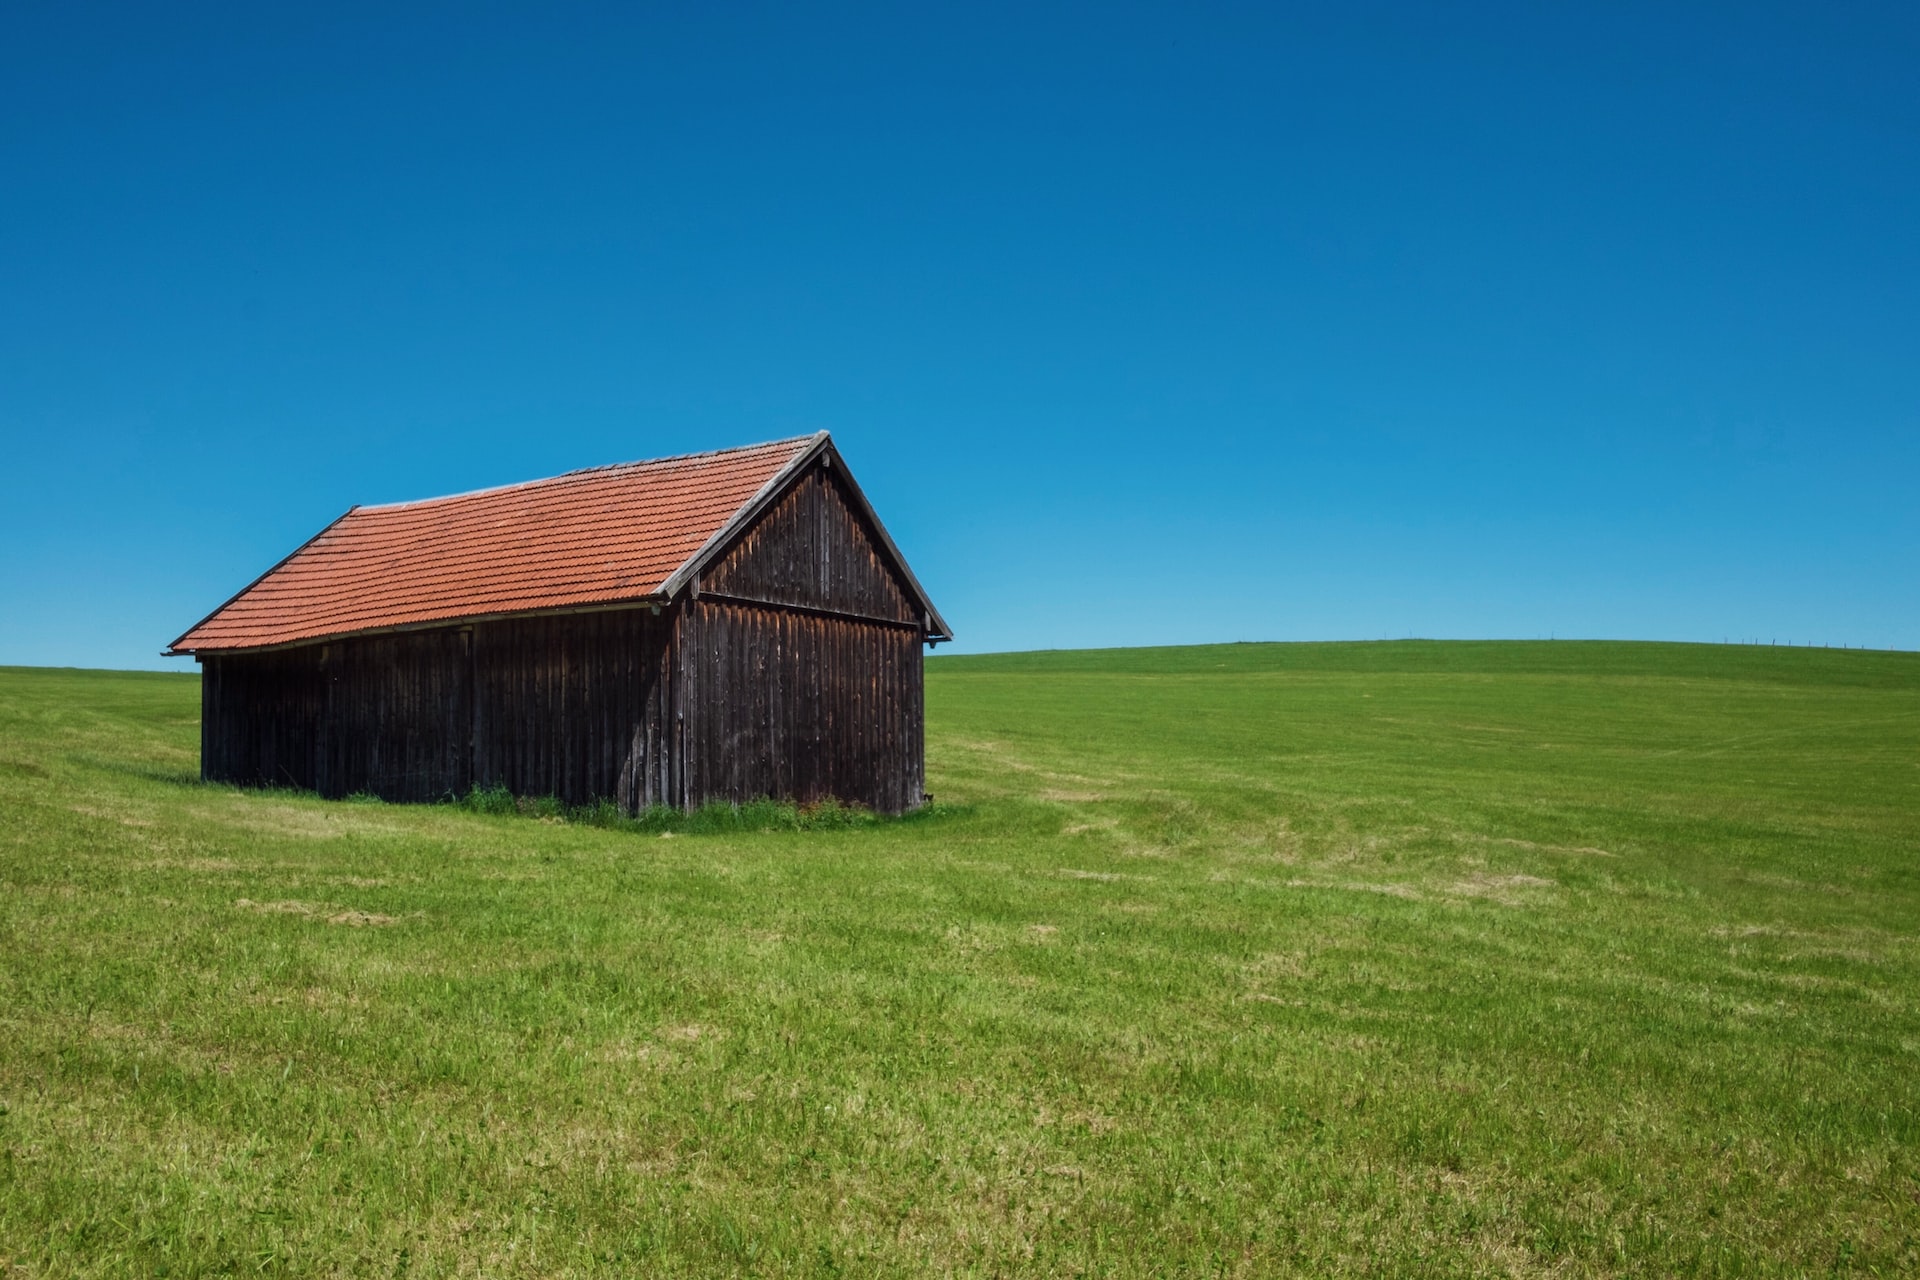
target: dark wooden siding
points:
(398, 716)
(260, 717)
(386, 715)
(570, 705)
(574, 706)
(785, 703)
(798, 670)
(812, 549)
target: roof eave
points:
(175, 651)
(654, 599)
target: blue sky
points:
(1140, 324)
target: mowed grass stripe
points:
(1386, 959)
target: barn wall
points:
(570, 705)
(785, 703)
(574, 706)
(259, 718)
(387, 715)
(397, 719)
(799, 665)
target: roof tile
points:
(588, 537)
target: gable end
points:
(814, 549)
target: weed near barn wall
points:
(716, 818)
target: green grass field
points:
(1391, 959)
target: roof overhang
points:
(654, 601)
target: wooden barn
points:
(720, 626)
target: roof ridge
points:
(585, 471)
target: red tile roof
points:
(588, 537)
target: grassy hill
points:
(1395, 959)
